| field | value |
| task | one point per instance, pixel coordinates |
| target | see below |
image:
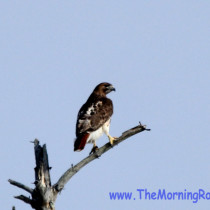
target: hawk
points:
(94, 118)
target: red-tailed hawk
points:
(94, 118)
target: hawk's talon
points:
(94, 150)
(112, 139)
(97, 155)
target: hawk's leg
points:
(94, 150)
(111, 139)
(106, 131)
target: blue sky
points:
(155, 53)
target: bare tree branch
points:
(74, 169)
(24, 198)
(22, 186)
(44, 194)
(42, 164)
(46, 166)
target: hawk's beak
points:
(111, 88)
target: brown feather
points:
(93, 114)
(80, 142)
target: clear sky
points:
(155, 53)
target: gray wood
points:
(44, 194)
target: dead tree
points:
(44, 195)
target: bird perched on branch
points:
(94, 118)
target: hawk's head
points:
(104, 88)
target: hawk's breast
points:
(95, 135)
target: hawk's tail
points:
(80, 142)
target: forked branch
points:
(44, 195)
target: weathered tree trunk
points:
(43, 196)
